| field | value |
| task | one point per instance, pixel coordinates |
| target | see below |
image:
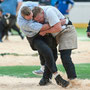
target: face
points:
(40, 18)
(29, 17)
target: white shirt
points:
(52, 15)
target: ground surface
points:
(21, 47)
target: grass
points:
(82, 35)
(82, 70)
(18, 71)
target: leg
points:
(42, 61)
(17, 30)
(41, 70)
(42, 48)
(67, 63)
(50, 65)
(51, 42)
(1, 31)
(54, 50)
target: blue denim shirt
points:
(63, 5)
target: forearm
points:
(70, 7)
(54, 29)
(45, 27)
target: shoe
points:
(44, 81)
(60, 81)
(38, 72)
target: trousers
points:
(6, 22)
(67, 63)
(38, 43)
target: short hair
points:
(36, 11)
(25, 11)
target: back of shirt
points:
(63, 5)
(9, 6)
(52, 15)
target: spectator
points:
(8, 19)
(88, 30)
(63, 6)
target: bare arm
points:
(54, 29)
(69, 9)
(45, 27)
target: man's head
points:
(38, 14)
(26, 12)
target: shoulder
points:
(49, 9)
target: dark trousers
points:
(67, 63)
(16, 28)
(38, 43)
(47, 74)
(47, 53)
(42, 60)
(51, 42)
(2, 30)
(4, 27)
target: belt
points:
(69, 23)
